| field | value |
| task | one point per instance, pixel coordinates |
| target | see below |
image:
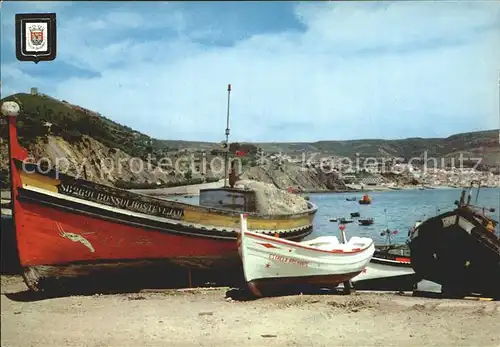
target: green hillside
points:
(38, 112)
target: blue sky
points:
(300, 71)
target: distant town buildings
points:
(377, 170)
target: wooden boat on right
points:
(459, 250)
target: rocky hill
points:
(87, 145)
(103, 151)
(484, 144)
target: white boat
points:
(271, 264)
(389, 269)
(384, 269)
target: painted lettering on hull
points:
(288, 260)
(119, 202)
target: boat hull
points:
(383, 274)
(55, 243)
(271, 264)
(280, 285)
(450, 250)
(67, 227)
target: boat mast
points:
(226, 159)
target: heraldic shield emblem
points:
(36, 36)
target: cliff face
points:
(295, 176)
(90, 159)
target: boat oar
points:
(347, 284)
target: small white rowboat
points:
(383, 268)
(271, 264)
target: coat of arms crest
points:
(36, 36)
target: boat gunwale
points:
(298, 245)
(465, 211)
(479, 232)
(390, 262)
(225, 233)
(312, 208)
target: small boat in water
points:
(355, 214)
(366, 200)
(345, 221)
(368, 221)
(351, 199)
(271, 264)
(333, 219)
(459, 250)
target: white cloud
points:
(359, 70)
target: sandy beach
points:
(208, 317)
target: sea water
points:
(394, 210)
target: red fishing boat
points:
(366, 200)
(68, 227)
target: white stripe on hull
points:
(376, 271)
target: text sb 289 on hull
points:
(68, 227)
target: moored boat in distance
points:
(368, 221)
(459, 250)
(365, 200)
(272, 264)
(67, 227)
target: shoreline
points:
(195, 191)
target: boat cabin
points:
(229, 198)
